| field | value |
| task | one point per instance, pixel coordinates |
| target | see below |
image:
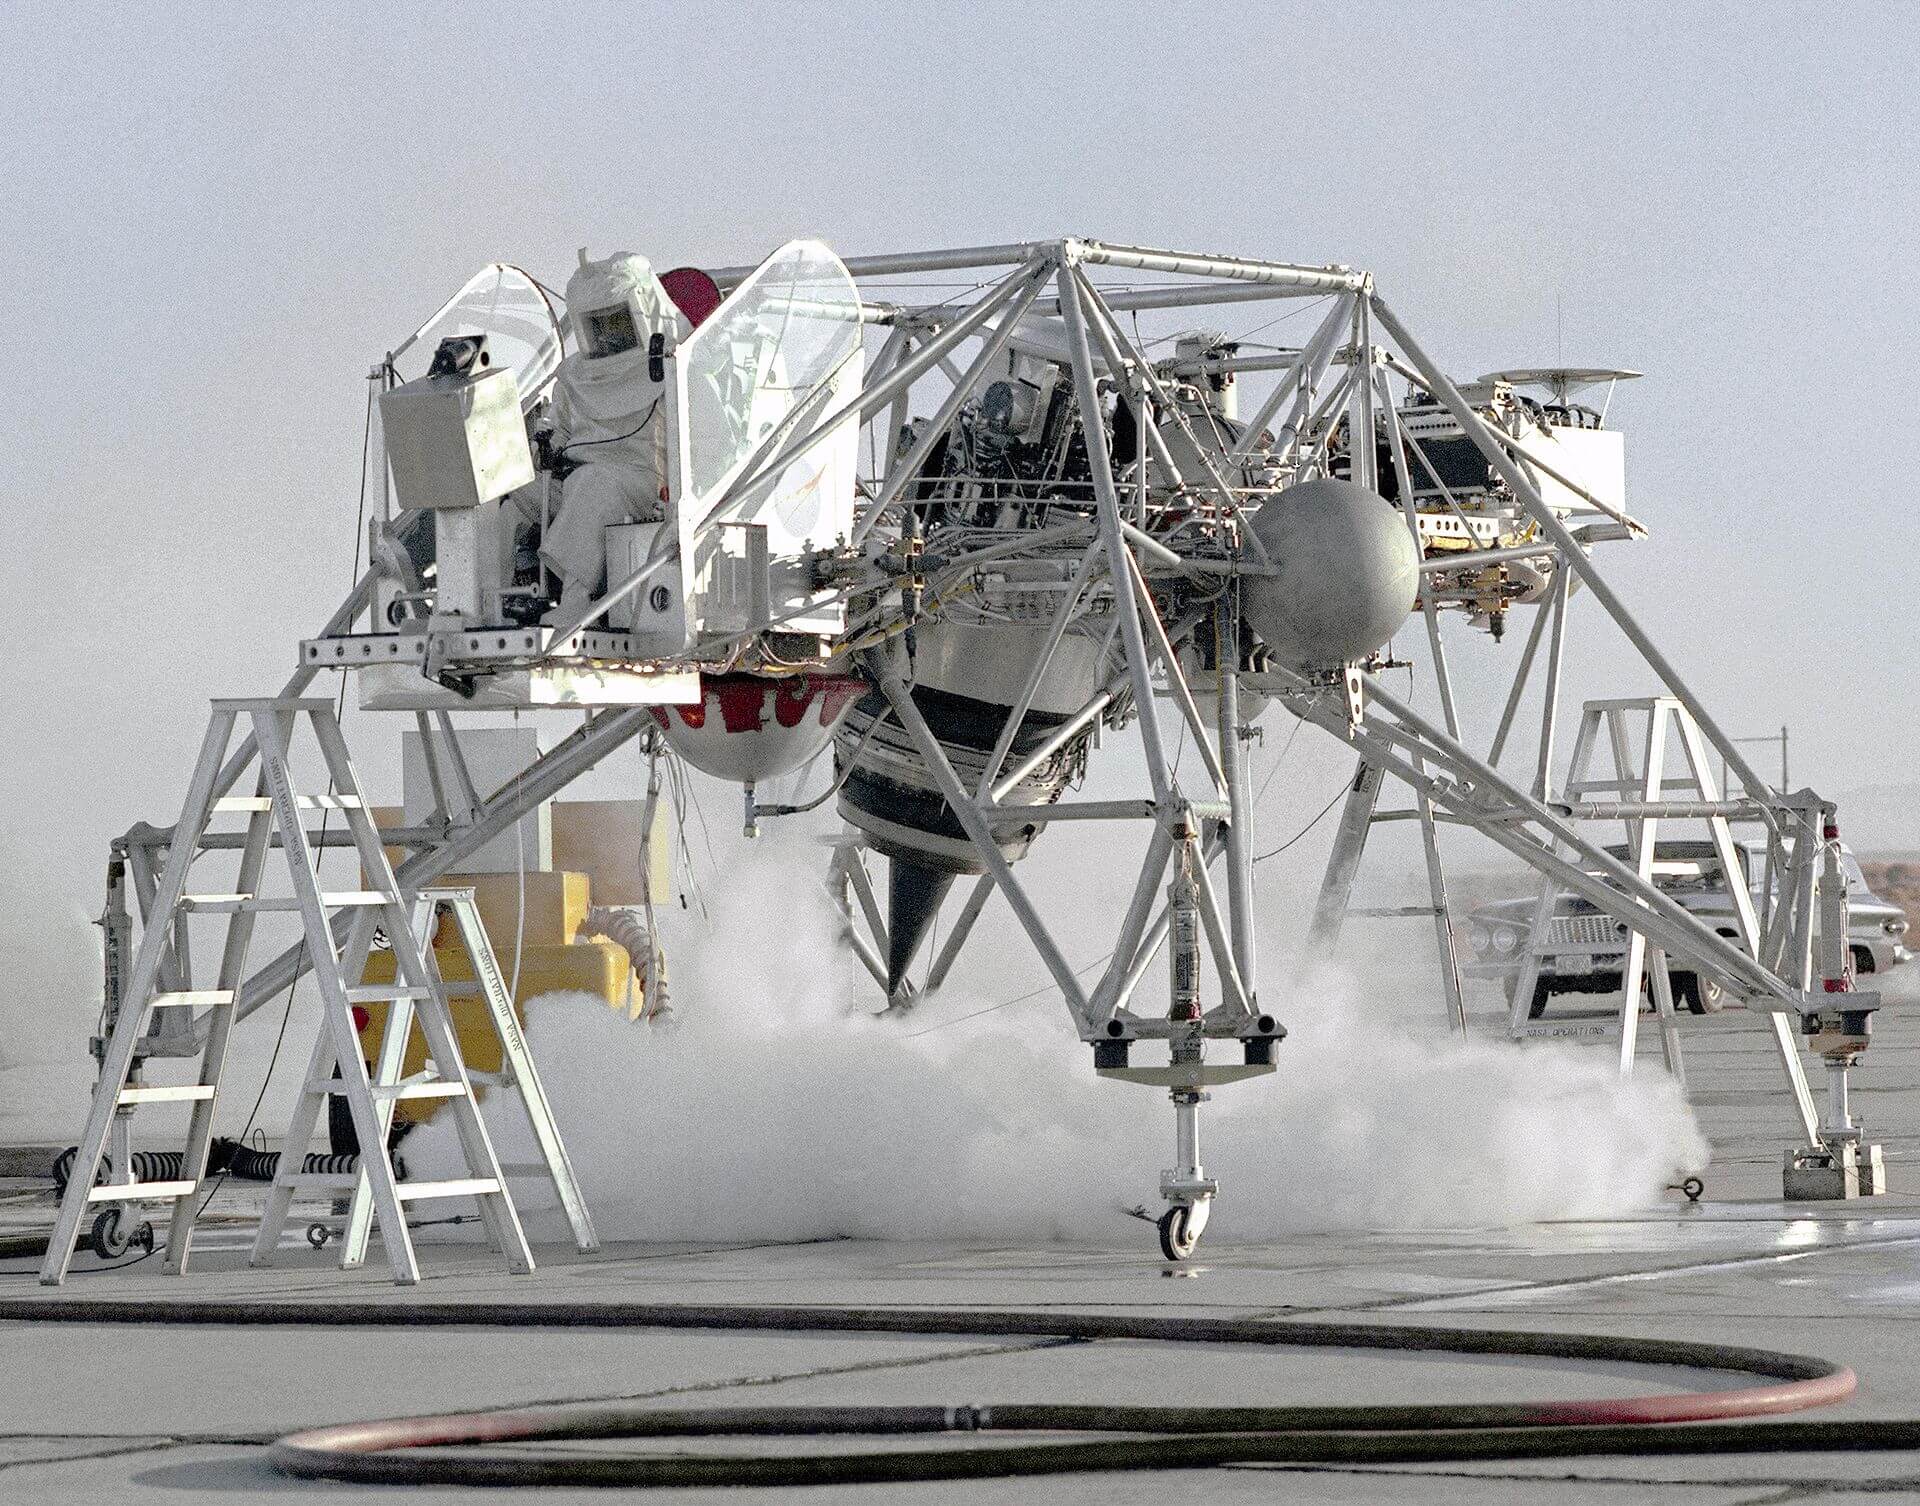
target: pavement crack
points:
(146, 1443)
(819, 1372)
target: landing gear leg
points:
(1187, 1188)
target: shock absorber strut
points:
(1187, 1188)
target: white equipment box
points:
(456, 441)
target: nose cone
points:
(1346, 574)
(914, 896)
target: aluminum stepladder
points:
(517, 1071)
(1358, 816)
(159, 979)
(337, 1065)
(1637, 794)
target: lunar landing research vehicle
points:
(941, 528)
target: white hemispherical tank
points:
(1346, 574)
(746, 728)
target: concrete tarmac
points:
(110, 1411)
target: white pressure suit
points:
(609, 416)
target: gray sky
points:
(217, 217)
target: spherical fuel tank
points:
(747, 728)
(1346, 574)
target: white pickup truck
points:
(1584, 950)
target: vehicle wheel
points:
(1687, 994)
(110, 1234)
(116, 1231)
(1177, 1241)
(1541, 993)
(1862, 962)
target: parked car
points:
(1585, 949)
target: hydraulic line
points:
(1158, 1437)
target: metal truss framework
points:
(1195, 882)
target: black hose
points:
(264, 1165)
(148, 1165)
(224, 1158)
(1159, 1437)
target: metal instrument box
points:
(456, 441)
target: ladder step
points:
(229, 904)
(411, 1192)
(301, 802)
(187, 1093)
(432, 1087)
(381, 993)
(216, 904)
(438, 1088)
(140, 1192)
(194, 996)
(408, 1192)
(417, 1088)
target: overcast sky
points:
(217, 217)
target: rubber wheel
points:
(1175, 1242)
(114, 1233)
(111, 1234)
(1699, 995)
(1541, 993)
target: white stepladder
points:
(1640, 796)
(517, 1072)
(276, 816)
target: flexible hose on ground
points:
(148, 1166)
(1159, 1437)
(224, 1158)
(264, 1165)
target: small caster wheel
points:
(112, 1234)
(1178, 1237)
(1693, 1187)
(318, 1235)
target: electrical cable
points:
(1338, 796)
(1159, 1437)
(1300, 720)
(586, 444)
(1045, 988)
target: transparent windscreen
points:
(503, 304)
(609, 331)
(774, 341)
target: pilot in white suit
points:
(609, 416)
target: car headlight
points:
(1505, 940)
(1895, 928)
(1479, 938)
